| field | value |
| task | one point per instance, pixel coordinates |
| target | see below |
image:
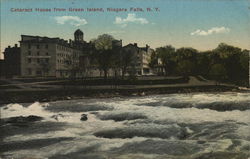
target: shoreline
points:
(48, 95)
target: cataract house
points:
(55, 57)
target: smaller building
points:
(1, 68)
(12, 61)
(141, 58)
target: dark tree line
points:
(225, 63)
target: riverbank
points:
(46, 95)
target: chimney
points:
(121, 42)
(15, 45)
(70, 42)
(135, 44)
(9, 46)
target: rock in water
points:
(22, 119)
(57, 116)
(84, 117)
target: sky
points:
(201, 24)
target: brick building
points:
(43, 56)
(55, 57)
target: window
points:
(29, 46)
(46, 46)
(38, 53)
(37, 46)
(29, 52)
(38, 72)
(38, 60)
(47, 53)
(29, 60)
(47, 60)
(29, 71)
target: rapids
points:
(171, 126)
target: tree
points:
(125, 60)
(202, 63)
(244, 59)
(186, 59)
(244, 64)
(218, 72)
(153, 60)
(104, 53)
(230, 58)
(186, 54)
(166, 55)
(185, 67)
(154, 64)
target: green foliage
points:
(202, 63)
(153, 62)
(104, 53)
(224, 63)
(244, 61)
(103, 42)
(218, 72)
(186, 54)
(167, 56)
(232, 58)
(126, 59)
(226, 51)
(185, 67)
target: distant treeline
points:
(225, 63)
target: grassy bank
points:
(23, 96)
(111, 81)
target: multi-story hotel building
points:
(55, 57)
(43, 56)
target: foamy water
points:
(201, 125)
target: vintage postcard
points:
(124, 79)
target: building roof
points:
(30, 38)
(78, 32)
(139, 48)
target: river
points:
(171, 126)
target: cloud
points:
(131, 18)
(73, 20)
(115, 32)
(214, 30)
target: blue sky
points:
(201, 24)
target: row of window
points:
(45, 60)
(38, 72)
(62, 61)
(66, 61)
(60, 47)
(63, 55)
(66, 55)
(38, 53)
(38, 46)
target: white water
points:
(152, 122)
